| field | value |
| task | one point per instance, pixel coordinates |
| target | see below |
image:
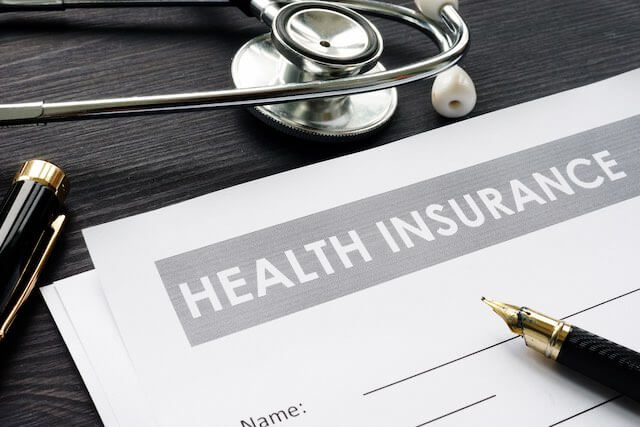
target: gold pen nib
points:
(508, 312)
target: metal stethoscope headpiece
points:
(316, 74)
(325, 39)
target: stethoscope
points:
(316, 74)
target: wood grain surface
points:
(520, 50)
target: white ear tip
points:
(453, 93)
(431, 8)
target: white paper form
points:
(85, 322)
(325, 350)
(88, 294)
(79, 355)
(90, 291)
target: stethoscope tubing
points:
(6, 5)
(452, 39)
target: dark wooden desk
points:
(521, 50)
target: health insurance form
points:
(348, 292)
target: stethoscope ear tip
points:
(431, 8)
(453, 93)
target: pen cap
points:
(31, 219)
(46, 174)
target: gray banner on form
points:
(245, 281)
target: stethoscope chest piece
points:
(317, 42)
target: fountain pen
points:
(604, 361)
(31, 219)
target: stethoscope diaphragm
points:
(326, 37)
(314, 41)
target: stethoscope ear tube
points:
(30, 6)
(53, 5)
(451, 36)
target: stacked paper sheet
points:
(348, 292)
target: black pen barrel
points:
(31, 218)
(609, 363)
(25, 216)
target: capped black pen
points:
(604, 361)
(31, 219)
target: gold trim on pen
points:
(46, 174)
(56, 228)
(540, 332)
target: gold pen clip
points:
(34, 267)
